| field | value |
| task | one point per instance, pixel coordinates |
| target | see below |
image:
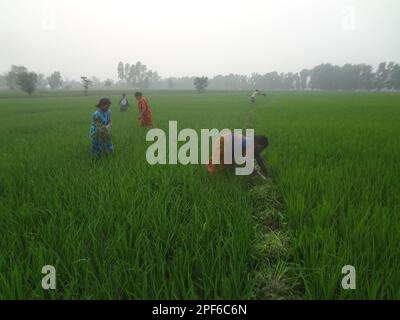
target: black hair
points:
(103, 102)
(138, 94)
(262, 141)
(124, 94)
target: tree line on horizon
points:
(326, 76)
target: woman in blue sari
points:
(100, 129)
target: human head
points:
(138, 95)
(124, 95)
(104, 104)
(260, 143)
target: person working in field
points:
(256, 93)
(145, 116)
(100, 129)
(123, 103)
(228, 141)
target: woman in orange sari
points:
(145, 115)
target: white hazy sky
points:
(187, 37)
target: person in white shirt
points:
(256, 93)
(123, 103)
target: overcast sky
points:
(186, 37)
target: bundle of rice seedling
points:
(103, 134)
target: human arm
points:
(262, 164)
(109, 125)
(143, 108)
(141, 114)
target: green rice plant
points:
(333, 158)
(103, 133)
(123, 229)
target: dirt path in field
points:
(271, 250)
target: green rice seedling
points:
(103, 136)
(123, 229)
(333, 158)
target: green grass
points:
(335, 158)
(117, 228)
(120, 228)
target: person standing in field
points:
(123, 103)
(259, 144)
(100, 129)
(145, 115)
(256, 93)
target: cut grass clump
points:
(271, 218)
(271, 251)
(266, 196)
(274, 282)
(271, 247)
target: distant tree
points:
(86, 83)
(141, 70)
(324, 77)
(346, 77)
(304, 74)
(150, 78)
(41, 82)
(273, 81)
(170, 83)
(108, 83)
(200, 84)
(138, 75)
(296, 81)
(395, 77)
(366, 77)
(270, 81)
(258, 81)
(147, 80)
(381, 76)
(27, 81)
(55, 80)
(12, 76)
(127, 69)
(121, 71)
(287, 80)
(96, 82)
(393, 81)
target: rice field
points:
(119, 228)
(335, 158)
